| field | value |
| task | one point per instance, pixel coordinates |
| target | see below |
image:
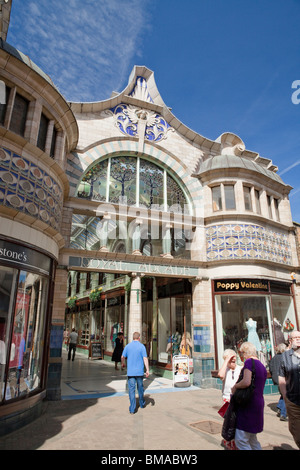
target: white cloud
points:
(86, 47)
(289, 168)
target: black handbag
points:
(229, 423)
(242, 396)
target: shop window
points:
(265, 321)
(174, 326)
(7, 282)
(247, 198)
(257, 201)
(26, 352)
(115, 312)
(19, 115)
(174, 320)
(229, 196)
(42, 135)
(216, 198)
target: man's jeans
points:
(132, 382)
(72, 347)
(282, 407)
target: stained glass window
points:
(94, 182)
(123, 180)
(156, 189)
(175, 196)
(151, 184)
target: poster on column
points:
(181, 369)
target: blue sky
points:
(221, 65)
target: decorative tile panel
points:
(26, 187)
(128, 119)
(244, 241)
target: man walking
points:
(289, 384)
(137, 359)
(73, 338)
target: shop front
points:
(174, 320)
(25, 285)
(257, 310)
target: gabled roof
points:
(142, 92)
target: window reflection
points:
(25, 361)
(7, 280)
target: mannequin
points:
(186, 344)
(279, 336)
(252, 334)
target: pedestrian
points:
(66, 338)
(289, 384)
(116, 357)
(229, 374)
(73, 338)
(136, 355)
(274, 366)
(250, 419)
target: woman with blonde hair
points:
(229, 373)
(250, 419)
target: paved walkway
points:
(93, 415)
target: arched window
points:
(133, 181)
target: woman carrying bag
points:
(249, 416)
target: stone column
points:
(59, 153)
(56, 334)
(103, 235)
(136, 239)
(204, 361)
(33, 122)
(49, 137)
(135, 309)
(166, 241)
(154, 322)
(10, 107)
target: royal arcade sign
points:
(149, 269)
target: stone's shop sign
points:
(129, 266)
(22, 257)
(241, 285)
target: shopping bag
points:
(223, 409)
(229, 424)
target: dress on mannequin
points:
(252, 334)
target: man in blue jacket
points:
(136, 355)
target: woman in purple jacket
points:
(250, 420)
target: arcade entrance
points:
(100, 312)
